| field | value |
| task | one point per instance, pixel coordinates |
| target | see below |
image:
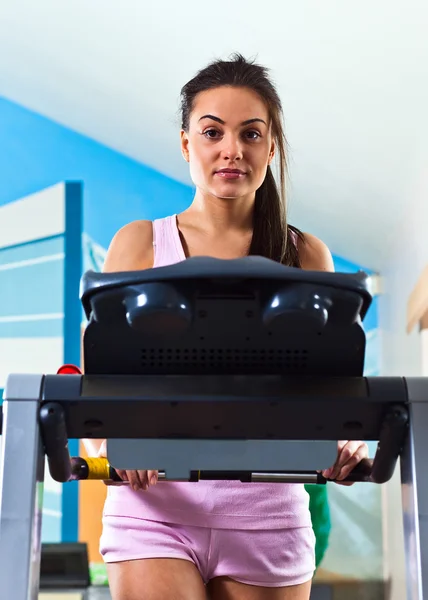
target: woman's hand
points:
(138, 480)
(349, 454)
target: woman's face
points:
(229, 143)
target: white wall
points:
(32, 304)
(401, 353)
(32, 283)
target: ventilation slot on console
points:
(226, 296)
(223, 359)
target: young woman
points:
(229, 540)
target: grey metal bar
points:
(21, 489)
(415, 501)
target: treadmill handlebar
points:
(63, 468)
(100, 469)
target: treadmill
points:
(214, 369)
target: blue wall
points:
(38, 280)
(345, 266)
(36, 152)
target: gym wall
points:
(37, 154)
(40, 269)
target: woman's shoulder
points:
(131, 247)
(314, 254)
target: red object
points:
(69, 370)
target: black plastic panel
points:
(255, 316)
(227, 407)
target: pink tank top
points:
(213, 504)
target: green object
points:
(98, 574)
(320, 515)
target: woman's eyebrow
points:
(247, 122)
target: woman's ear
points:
(272, 152)
(184, 145)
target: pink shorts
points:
(270, 558)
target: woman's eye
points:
(210, 133)
(252, 135)
(214, 134)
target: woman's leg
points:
(155, 579)
(223, 588)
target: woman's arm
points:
(131, 249)
(315, 256)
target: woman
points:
(231, 540)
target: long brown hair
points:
(270, 228)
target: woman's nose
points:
(232, 148)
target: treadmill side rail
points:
(21, 489)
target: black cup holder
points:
(157, 309)
(297, 307)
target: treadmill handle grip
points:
(100, 469)
(361, 472)
(55, 440)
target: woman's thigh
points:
(224, 588)
(155, 579)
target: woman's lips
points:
(230, 173)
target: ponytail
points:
(271, 234)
